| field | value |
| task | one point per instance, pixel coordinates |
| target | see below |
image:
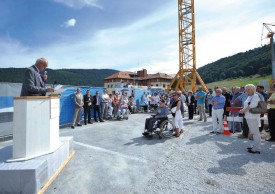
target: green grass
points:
(239, 81)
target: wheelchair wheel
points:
(167, 128)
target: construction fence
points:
(10, 90)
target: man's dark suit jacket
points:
(192, 99)
(87, 100)
(32, 83)
(95, 100)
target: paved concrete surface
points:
(113, 157)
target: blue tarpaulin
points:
(67, 105)
(139, 93)
(66, 100)
(6, 102)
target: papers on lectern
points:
(57, 91)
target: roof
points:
(127, 75)
(121, 75)
(159, 75)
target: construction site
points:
(42, 152)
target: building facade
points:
(140, 78)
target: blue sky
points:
(125, 34)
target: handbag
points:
(261, 108)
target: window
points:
(164, 85)
(112, 86)
(157, 85)
(108, 86)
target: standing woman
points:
(190, 103)
(110, 106)
(116, 103)
(176, 113)
(253, 120)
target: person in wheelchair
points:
(122, 110)
(132, 105)
(154, 102)
(160, 114)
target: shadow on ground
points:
(139, 141)
(236, 149)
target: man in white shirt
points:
(104, 104)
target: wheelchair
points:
(163, 127)
(109, 114)
(122, 114)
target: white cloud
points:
(217, 5)
(69, 23)
(79, 3)
(230, 28)
(150, 42)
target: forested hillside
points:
(80, 77)
(256, 61)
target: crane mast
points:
(270, 35)
(187, 74)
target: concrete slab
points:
(29, 176)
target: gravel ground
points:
(114, 158)
(204, 163)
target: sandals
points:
(180, 132)
(177, 135)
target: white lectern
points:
(35, 126)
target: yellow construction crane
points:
(187, 74)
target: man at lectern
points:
(33, 85)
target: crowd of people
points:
(244, 100)
(215, 102)
(105, 106)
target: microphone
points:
(44, 73)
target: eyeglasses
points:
(44, 64)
